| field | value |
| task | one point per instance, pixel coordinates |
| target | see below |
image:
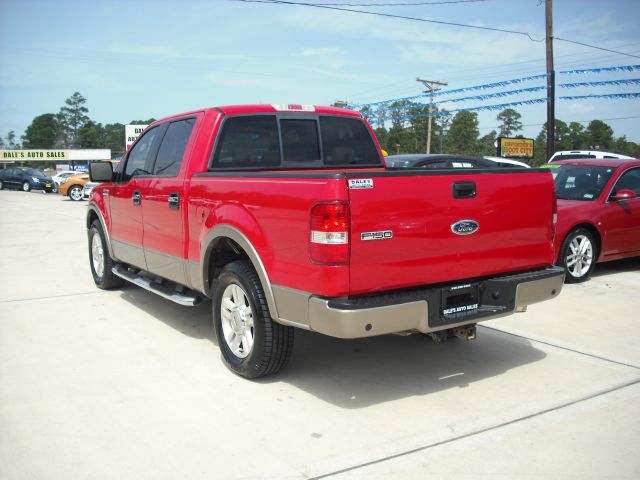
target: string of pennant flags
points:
(486, 86)
(631, 81)
(379, 117)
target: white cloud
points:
(317, 52)
(153, 50)
(580, 108)
(171, 52)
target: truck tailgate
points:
(402, 226)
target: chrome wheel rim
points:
(26, 187)
(237, 321)
(579, 256)
(97, 255)
(75, 193)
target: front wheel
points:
(75, 193)
(1, 185)
(251, 343)
(26, 187)
(578, 255)
(100, 261)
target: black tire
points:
(75, 193)
(263, 348)
(26, 187)
(1, 185)
(101, 270)
(578, 255)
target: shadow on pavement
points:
(194, 322)
(363, 372)
(358, 373)
(617, 266)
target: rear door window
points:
(172, 148)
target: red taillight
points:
(555, 213)
(329, 239)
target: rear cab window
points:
(273, 141)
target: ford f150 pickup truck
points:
(285, 216)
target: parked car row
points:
(74, 185)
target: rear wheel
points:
(100, 261)
(26, 187)
(75, 193)
(251, 343)
(578, 255)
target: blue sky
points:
(141, 59)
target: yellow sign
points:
(27, 155)
(515, 147)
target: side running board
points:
(169, 290)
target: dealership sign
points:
(515, 147)
(131, 134)
(49, 155)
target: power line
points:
(408, 4)
(388, 15)
(597, 48)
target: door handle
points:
(136, 198)
(464, 189)
(174, 201)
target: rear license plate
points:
(47, 185)
(459, 299)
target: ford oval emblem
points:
(465, 227)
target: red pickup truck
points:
(285, 216)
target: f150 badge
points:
(385, 235)
(465, 227)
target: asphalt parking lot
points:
(124, 384)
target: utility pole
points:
(429, 85)
(551, 81)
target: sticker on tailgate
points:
(359, 183)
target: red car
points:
(598, 213)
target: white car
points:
(60, 177)
(507, 162)
(86, 190)
(573, 154)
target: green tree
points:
(510, 122)
(419, 125)
(10, 142)
(578, 136)
(463, 134)
(488, 144)
(91, 135)
(42, 133)
(625, 147)
(562, 137)
(72, 118)
(600, 135)
(114, 138)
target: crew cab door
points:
(622, 218)
(163, 202)
(126, 199)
